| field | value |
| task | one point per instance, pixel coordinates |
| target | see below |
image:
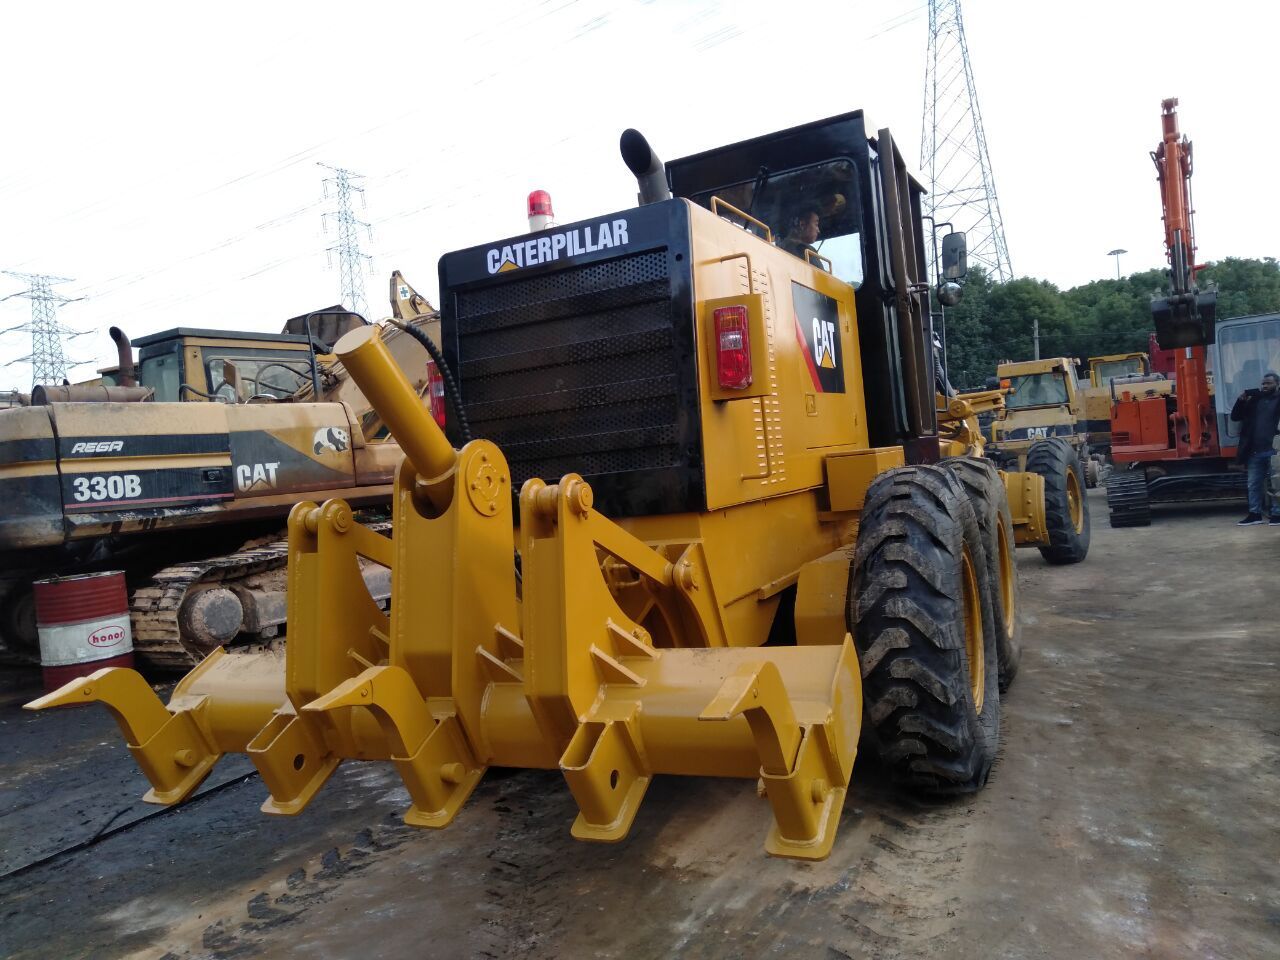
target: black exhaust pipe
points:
(124, 353)
(650, 172)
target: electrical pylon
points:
(953, 147)
(48, 362)
(351, 259)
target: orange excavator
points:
(1167, 447)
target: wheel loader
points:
(180, 466)
(687, 515)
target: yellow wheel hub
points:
(973, 643)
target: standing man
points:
(1258, 413)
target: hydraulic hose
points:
(450, 385)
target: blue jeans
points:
(1259, 465)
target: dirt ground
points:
(1135, 813)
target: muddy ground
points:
(1135, 813)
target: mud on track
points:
(1135, 813)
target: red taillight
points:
(733, 348)
(435, 392)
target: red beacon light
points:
(733, 348)
(540, 214)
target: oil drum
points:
(83, 623)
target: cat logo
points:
(824, 351)
(817, 322)
(252, 475)
(333, 439)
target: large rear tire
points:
(981, 481)
(920, 611)
(1066, 508)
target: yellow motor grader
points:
(688, 515)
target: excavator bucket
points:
(1185, 320)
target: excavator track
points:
(1128, 500)
(155, 608)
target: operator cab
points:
(1246, 348)
(1031, 389)
(185, 364)
(1102, 370)
(189, 364)
(857, 184)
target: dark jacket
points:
(1246, 413)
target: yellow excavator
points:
(179, 466)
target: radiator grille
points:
(575, 370)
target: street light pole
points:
(1116, 253)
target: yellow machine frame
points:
(600, 663)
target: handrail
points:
(768, 234)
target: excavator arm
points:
(1185, 318)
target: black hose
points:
(188, 388)
(450, 385)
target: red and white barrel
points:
(83, 622)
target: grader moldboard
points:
(738, 433)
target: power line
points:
(48, 362)
(351, 259)
(953, 146)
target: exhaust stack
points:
(650, 172)
(124, 352)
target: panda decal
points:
(330, 438)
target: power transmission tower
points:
(953, 147)
(350, 257)
(48, 362)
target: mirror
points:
(955, 256)
(949, 293)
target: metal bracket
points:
(804, 767)
(605, 768)
(430, 752)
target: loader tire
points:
(920, 611)
(1066, 507)
(982, 483)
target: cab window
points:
(1245, 352)
(1109, 369)
(163, 374)
(1036, 390)
(261, 376)
(794, 202)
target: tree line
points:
(995, 321)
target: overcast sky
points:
(166, 159)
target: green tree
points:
(969, 351)
(995, 321)
(1016, 307)
(1245, 286)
